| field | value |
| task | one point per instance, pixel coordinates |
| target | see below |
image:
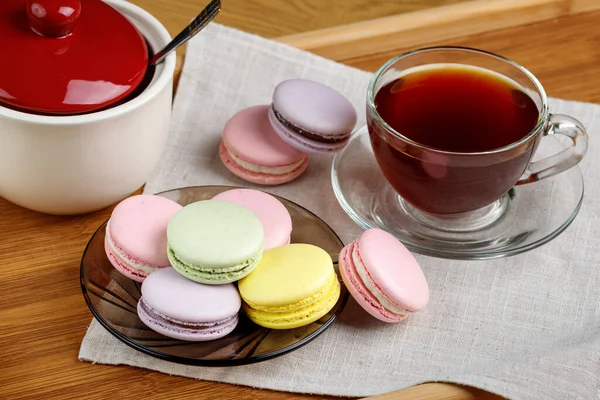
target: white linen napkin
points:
(524, 327)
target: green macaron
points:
(214, 241)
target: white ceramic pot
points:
(82, 163)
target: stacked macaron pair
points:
(270, 144)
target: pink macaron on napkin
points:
(527, 326)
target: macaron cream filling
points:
(307, 302)
(309, 135)
(304, 310)
(207, 273)
(131, 264)
(166, 321)
(260, 169)
(372, 286)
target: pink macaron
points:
(252, 151)
(311, 116)
(383, 276)
(136, 235)
(275, 218)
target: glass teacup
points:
(463, 190)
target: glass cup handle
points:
(559, 125)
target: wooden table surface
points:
(43, 316)
(273, 18)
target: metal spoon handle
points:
(197, 24)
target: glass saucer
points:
(535, 212)
(112, 299)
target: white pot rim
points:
(164, 76)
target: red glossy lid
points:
(67, 56)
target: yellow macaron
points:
(292, 286)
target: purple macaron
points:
(311, 116)
(183, 309)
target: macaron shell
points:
(121, 265)
(249, 135)
(287, 275)
(176, 331)
(275, 218)
(300, 142)
(393, 269)
(138, 227)
(176, 297)
(314, 107)
(215, 234)
(259, 178)
(214, 276)
(297, 318)
(359, 291)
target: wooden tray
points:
(548, 26)
(556, 39)
(417, 29)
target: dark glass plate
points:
(112, 298)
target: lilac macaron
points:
(179, 308)
(311, 116)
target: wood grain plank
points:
(271, 18)
(442, 391)
(443, 23)
(563, 53)
(579, 6)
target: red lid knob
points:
(53, 18)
